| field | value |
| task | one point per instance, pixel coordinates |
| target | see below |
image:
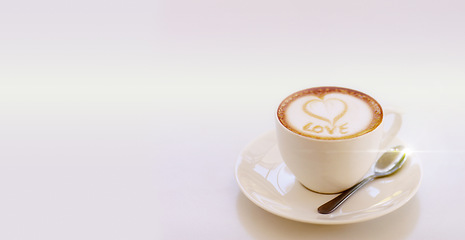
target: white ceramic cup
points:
(333, 165)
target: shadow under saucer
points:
(267, 226)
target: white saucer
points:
(266, 181)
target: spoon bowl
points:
(391, 161)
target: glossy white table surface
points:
(124, 120)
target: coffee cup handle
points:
(390, 134)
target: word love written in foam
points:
(341, 129)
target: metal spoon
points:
(387, 164)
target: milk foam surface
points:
(331, 116)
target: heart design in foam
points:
(329, 110)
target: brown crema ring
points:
(320, 92)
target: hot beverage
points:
(330, 113)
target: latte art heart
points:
(329, 110)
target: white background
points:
(124, 119)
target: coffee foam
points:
(330, 113)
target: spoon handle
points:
(330, 206)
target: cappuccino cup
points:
(329, 137)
